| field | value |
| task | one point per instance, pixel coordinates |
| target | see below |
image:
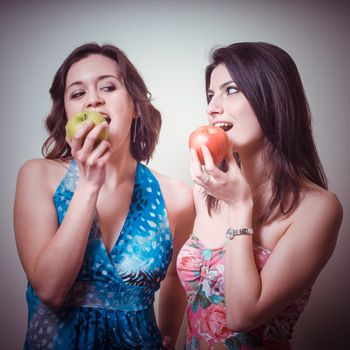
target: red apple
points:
(214, 138)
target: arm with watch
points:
(253, 297)
(242, 281)
(298, 248)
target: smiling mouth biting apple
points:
(76, 121)
(226, 126)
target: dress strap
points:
(65, 190)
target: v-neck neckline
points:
(109, 253)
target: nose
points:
(215, 107)
(93, 99)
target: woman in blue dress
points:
(97, 231)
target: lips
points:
(104, 115)
(226, 126)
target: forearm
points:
(59, 262)
(242, 283)
(242, 280)
(172, 304)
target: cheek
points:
(246, 127)
(253, 127)
(249, 118)
(73, 108)
(121, 123)
(124, 115)
(69, 107)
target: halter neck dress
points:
(110, 305)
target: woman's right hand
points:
(230, 187)
(52, 254)
(91, 157)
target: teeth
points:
(108, 119)
(222, 124)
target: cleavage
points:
(112, 210)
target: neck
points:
(121, 169)
(254, 169)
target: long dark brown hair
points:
(270, 81)
(149, 118)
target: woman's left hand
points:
(230, 187)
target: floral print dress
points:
(201, 271)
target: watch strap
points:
(232, 232)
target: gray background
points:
(169, 43)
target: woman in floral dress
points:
(266, 224)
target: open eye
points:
(76, 94)
(210, 95)
(108, 88)
(231, 90)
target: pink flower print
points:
(186, 261)
(203, 271)
(187, 266)
(221, 287)
(214, 323)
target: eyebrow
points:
(223, 85)
(99, 78)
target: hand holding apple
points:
(214, 138)
(76, 121)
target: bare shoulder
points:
(179, 203)
(44, 171)
(175, 191)
(321, 209)
(321, 201)
(42, 165)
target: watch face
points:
(229, 233)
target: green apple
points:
(76, 121)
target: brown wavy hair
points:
(149, 118)
(270, 81)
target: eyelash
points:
(77, 94)
(231, 88)
(107, 88)
(235, 90)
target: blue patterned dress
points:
(110, 305)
